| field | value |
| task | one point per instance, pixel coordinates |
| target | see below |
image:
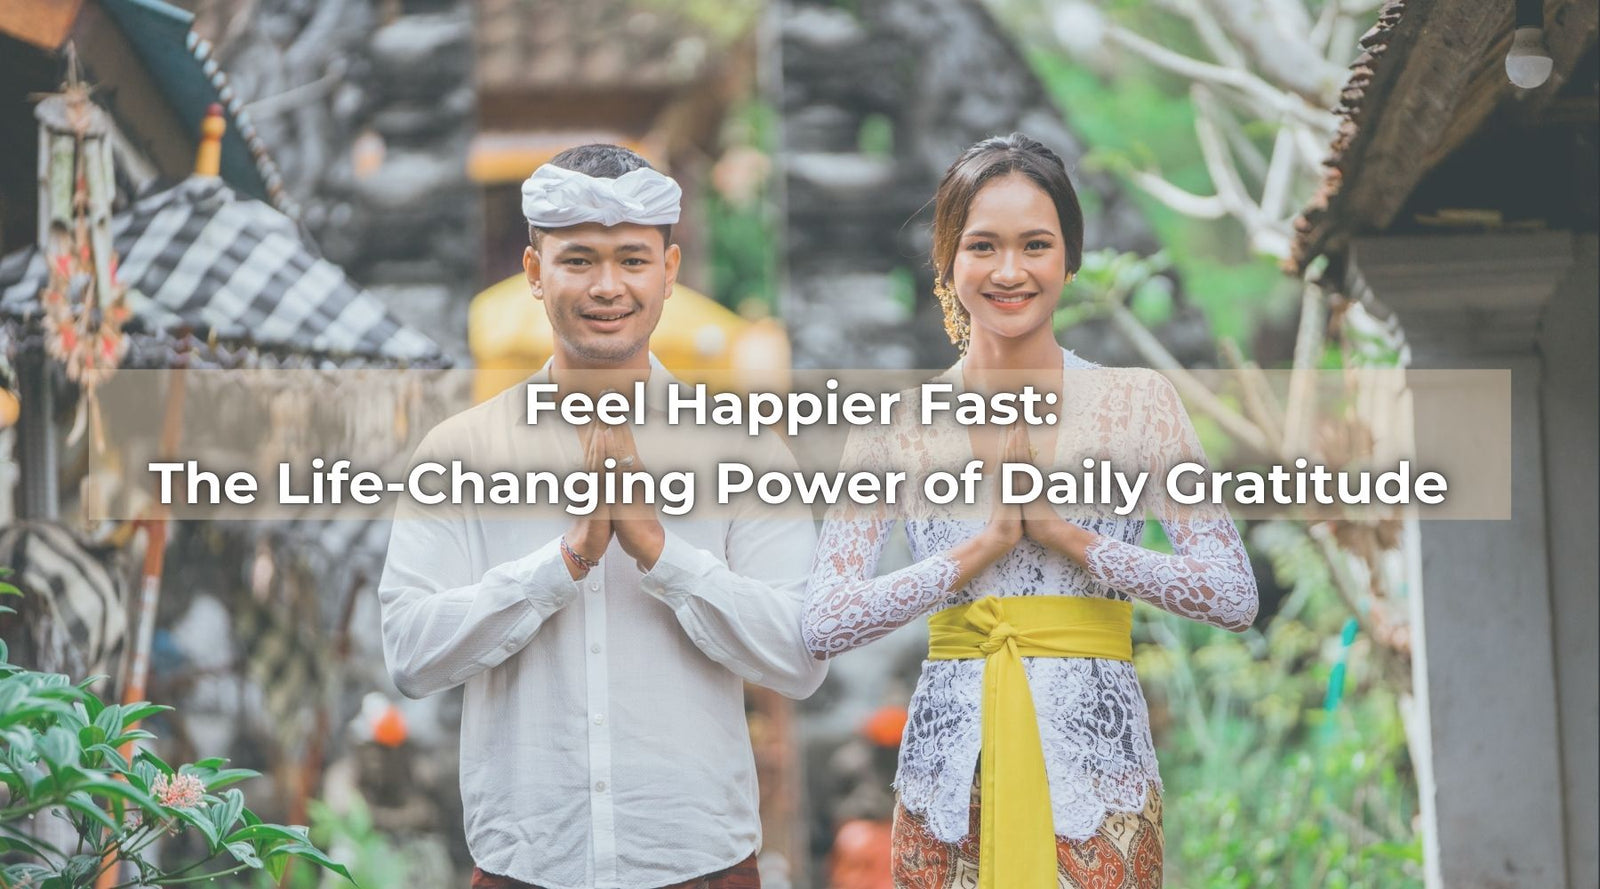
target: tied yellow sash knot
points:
(1017, 842)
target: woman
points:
(1030, 660)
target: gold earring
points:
(957, 321)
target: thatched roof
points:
(1429, 77)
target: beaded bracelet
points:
(582, 562)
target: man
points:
(603, 740)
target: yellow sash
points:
(1017, 843)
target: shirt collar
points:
(655, 385)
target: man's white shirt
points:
(603, 736)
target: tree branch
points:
(1275, 190)
(1259, 401)
(1192, 390)
(1211, 34)
(1302, 381)
(1273, 33)
(1219, 163)
(1254, 161)
(1205, 72)
(1185, 202)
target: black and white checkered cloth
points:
(197, 256)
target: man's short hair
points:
(602, 161)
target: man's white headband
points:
(554, 197)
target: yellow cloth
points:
(1017, 842)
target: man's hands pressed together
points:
(612, 450)
(586, 542)
(636, 525)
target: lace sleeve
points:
(1207, 577)
(846, 606)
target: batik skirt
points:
(1125, 853)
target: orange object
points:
(862, 856)
(43, 23)
(208, 160)
(390, 729)
(886, 726)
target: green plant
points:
(1266, 784)
(60, 757)
(376, 858)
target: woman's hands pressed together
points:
(1044, 526)
(1005, 525)
(1010, 522)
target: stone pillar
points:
(1487, 719)
(1571, 405)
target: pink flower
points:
(181, 792)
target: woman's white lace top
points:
(1092, 716)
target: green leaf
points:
(259, 832)
(201, 822)
(158, 762)
(79, 867)
(316, 856)
(33, 709)
(26, 874)
(137, 734)
(226, 812)
(93, 707)
(12, 693)
(81, 802)
(109, 719)
(244, 854)
(229, 776)
(112, 755)
(59, 747)
(112, 788)
(133, 713)
(90, 735)
(276, 865)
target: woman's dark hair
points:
(602, 161)
(991, 159)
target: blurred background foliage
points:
(1138, 117)
(1283, 750)
(1279, 770)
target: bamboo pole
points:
(157, 525)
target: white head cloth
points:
(554, 197)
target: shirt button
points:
(595, 648)
(599, 787)
(594, 587)
(599, 719)
(700, 643)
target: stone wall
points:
(877, 98)
(368, 108)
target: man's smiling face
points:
(603, 288)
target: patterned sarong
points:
(1125, 853)
(741, 876)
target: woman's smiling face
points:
(1011, 261)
